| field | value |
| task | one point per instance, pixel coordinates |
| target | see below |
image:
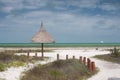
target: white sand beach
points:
(108, 70)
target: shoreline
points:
(25, 48)
(57, 45)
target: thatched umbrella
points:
(42, 37)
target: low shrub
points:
(30, 50)
(115, 52)
(8, 59)
(109, 57)
(59, 70)
(2, 66)
(2, 79)
(16, 64)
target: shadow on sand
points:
(113, 78)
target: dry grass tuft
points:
(8, 59)
(59, 70)
(113, 57)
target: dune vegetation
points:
(8, 58)
(59, 70)
(114, 56)
(26, 50)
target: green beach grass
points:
(8, 58)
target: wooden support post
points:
(66, 57)
(28, 54)
(84, 60)
(36, 55)
(80, 59)
(57, 56)
(73, 57)
(93, 66)
(42, 55)
(21, 50)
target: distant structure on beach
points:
(42, 37)
(101, 41)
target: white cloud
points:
(36, 4)
(11, 5)
(88, 3)
(108, 24)
(108, 7)
(11, 1)
(84, 3)
(7, 9)
(62, 20)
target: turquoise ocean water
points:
(60, 45)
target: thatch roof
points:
(42, 36)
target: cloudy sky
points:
(72, 21)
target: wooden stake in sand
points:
(57, 56)
(84, 60)
(93, 66)
(66, 57)
(80, 59)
